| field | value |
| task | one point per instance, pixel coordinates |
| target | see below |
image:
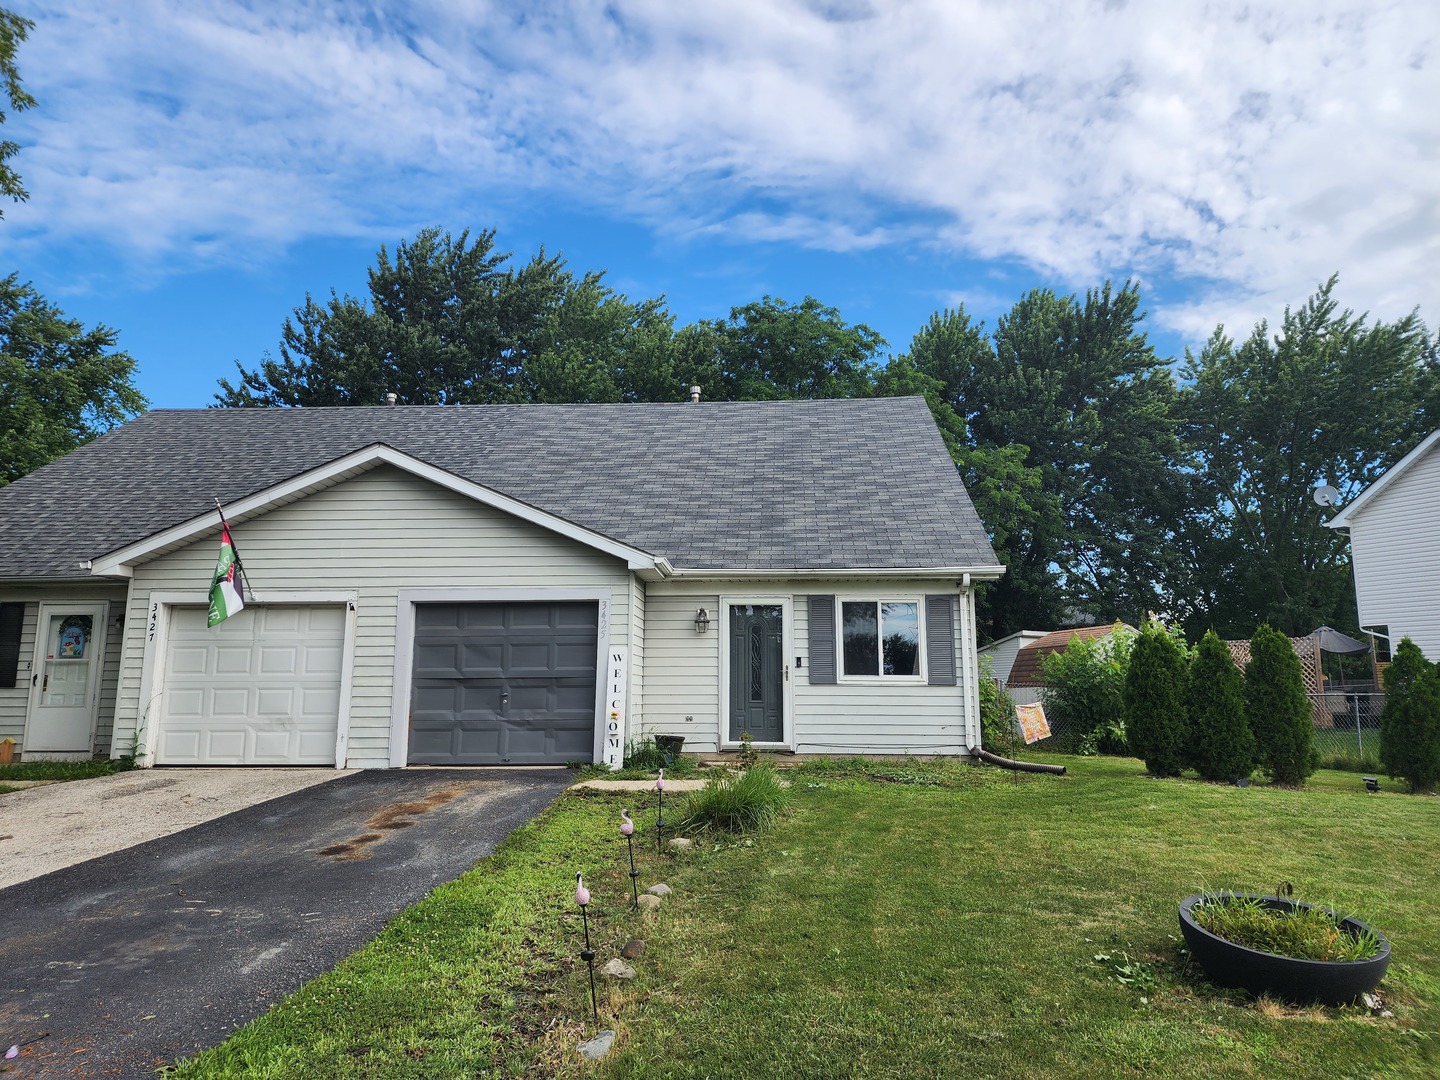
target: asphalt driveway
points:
(129, 961)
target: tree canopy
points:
(62, 384)
(13, 30)
(1329, 397)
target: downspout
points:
(970, 701)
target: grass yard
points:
(62, 770)
(935, 920)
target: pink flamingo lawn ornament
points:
(627, 830)
(660, 814)
(582, 897)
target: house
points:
(1394, 527)
(495, 584)
(1026, 679)
(1000, 654)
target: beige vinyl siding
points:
(878, 716)
(682, 669)
(635, 720)
(377, 533)
(1395, 547)
(682, 676)
(14, 702)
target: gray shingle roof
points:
(810, 485)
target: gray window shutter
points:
(822, 639)
(939, 641)
(11, 617)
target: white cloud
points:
(1251, 150)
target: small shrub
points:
(1086, 691)
(735, 802)
(1302, 933)
(747, 757)
(1277, 709)
(1156, 722)
(1410, 719)
(1221, 745)
(997, 712)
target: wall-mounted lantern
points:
(702, 621)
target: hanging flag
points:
(227, 591)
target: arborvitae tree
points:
(1222, 747)
(1155, 718)
(1410, 720)
(1277, 708)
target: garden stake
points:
(627, 830)
(660, 814)
(582, 897)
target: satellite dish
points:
(1325, 495)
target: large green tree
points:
(771, 349)
(449, 320)
(1070, 452)
(1328, 397)
(13, 30)
(62, 384)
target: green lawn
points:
(934, 921)
(62, 770)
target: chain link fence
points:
(1347, 728)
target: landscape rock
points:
(598, 1047)
(659, 889)
(618, 969)
(649, 902)
(634, 948)
(681, 843)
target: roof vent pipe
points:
(391, 398)
(694, 395)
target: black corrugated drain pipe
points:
(1018, 766)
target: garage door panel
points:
(261, 688)
(523, 691)
(279, 620)
(279, 660)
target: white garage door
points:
(262, 688)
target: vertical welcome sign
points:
(617, 678)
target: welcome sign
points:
(616, 680)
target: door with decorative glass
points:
(65, 679)
(757, 672)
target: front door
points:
(757, 658)
(65, 679)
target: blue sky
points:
(196, 167)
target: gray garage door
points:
(510, 684)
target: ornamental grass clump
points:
(738, 802)
(1302, 933)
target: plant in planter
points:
(1280, 946)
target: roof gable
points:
(1376, 491)
(755, 487)
(120, 561)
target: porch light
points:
(702, 621)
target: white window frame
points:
(842, 676)
(787, 683)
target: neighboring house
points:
(1394, 527)
(1026, 680)
(1000, 655)
(495, 584)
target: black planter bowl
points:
(1301, 982)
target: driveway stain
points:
(389, 819)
